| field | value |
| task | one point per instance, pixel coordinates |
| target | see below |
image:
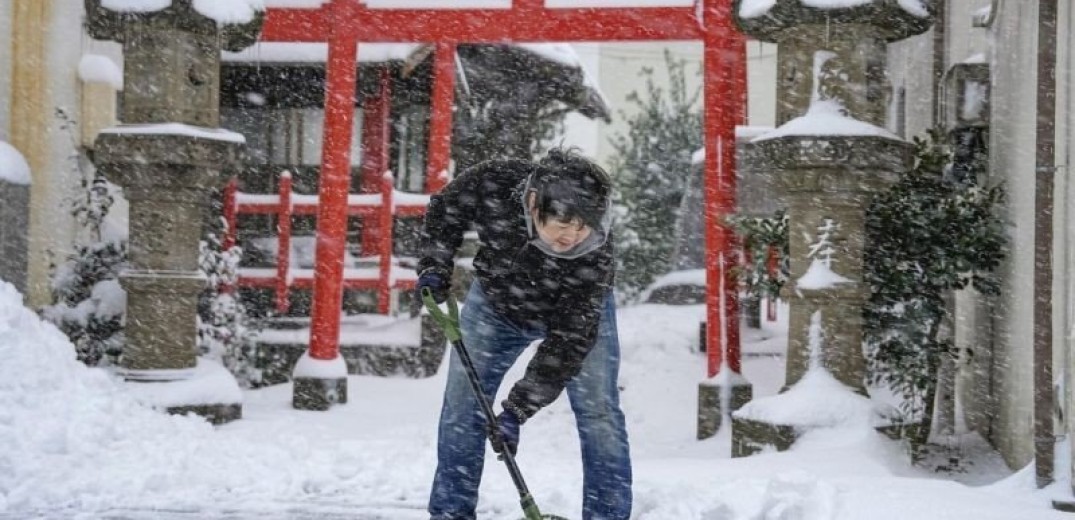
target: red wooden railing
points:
(380, 210)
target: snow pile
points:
(55, 412)
(95, 68)
(13, 166)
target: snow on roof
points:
(13, 167)
(95, 68)
(317, 52)
(223, 11)
(756, 8)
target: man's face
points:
(559, 235)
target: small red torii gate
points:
(345, 23)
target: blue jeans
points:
(494, 343)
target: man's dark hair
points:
(569, 186)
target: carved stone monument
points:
(827, 157)
(168, 156)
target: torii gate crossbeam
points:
(345, 23)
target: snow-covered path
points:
(74, 445)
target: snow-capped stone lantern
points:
(828, 155)
(168, 155)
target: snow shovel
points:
(450, 324)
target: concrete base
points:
(712, 401)
(208, 390)
(750, 437)
(318, 394)
(214, 413)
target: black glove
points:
(507, 426)
(437, 283)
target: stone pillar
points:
(828, 157)
(168, 156)
(14, 216)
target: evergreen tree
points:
(925, 237)
(650, 173)
(225, 332)
(89, 305)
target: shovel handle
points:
(448, 322)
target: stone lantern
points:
(169, 155)
(828, 156)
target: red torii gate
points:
(345, 23)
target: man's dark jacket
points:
(531, 289)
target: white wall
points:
(617, 67)
(580, 131)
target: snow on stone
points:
(307, 366)
(819, 276)
(756, 8)
(95, 68)
(223, 11)
(817, 400)
(825, 118)
(230, 11)
(208, 383)
(135, 6)
(13, 166)
(316, 52)
(183, 129)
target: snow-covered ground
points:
(75, 444)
